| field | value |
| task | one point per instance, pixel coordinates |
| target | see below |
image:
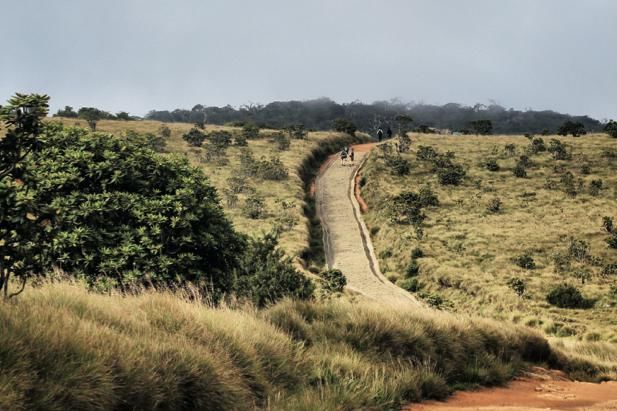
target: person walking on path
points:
(389, 132)
(351, 155)
(380, 135)
(344, 155)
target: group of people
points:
(380, 134)
(347, 154)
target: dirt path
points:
(539, 390)
(347, 243)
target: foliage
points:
(333, 280)
(510, 149)
(607, 224)
(517, 285)
(250, 131)
(406, 208)
(427, 196)
(426, 153)
(567, 296)
(612, 241)
(221, 138)
(92, 115)
(344, 125)
(491, 165)
(266, 275)
(194, 137)
(611, 128)
(254, 207)
(579, 250)
(494, 205)
(525, 261)
(595, 187)
(272, 169)
(582, 275)
(417, 253)
(519, 171)
(483, 127)
(153, 141)
(297, 131)
(164, 131)
(576, 128)
(558, 150)
(282, 141)
(398, 165)
(67, 112)
(537, 146)
(413, 269)
(410, 284)
(452, 174)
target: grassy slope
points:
(63, 348)
(291, 190)
(469, 250)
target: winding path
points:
(347, 242)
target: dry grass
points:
(291, 191)
(469, 250)
(64, 348)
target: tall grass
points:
(64, 348)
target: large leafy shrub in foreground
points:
(123, 215)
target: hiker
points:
(343, 155)
(351, 154)
(389, 132)
(380, 135)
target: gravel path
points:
(347, 243)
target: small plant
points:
(398, 166)
(333, 280)
(272, 169)
(612, 241)
(254, 207)
(427, 197)
(220, 138)
(607, 224)
(194, 137)
(582, 275)
(510, 150)
(568, 183)
(426, 153)
(240, 140)
(451, 175)
(164, 131)
(417, 253)
(491, 165)
(585, 169)
(525, 161)
(611, 128)
(297, 131)
(525, 261)
(561, 262)
(579, 250)
(609, 269)
(567, 296)
(413, 269)
(250, 131)
(410, 284)
(344, 125)
(434, 300)
(595, 187)
(558, 150)
(517, 285)
(537, 146)
(494, 205)
(282, 141)
(519, 171)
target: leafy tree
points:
(611, 128)
(123, 115)
(344, 125)
(266, 274)
(66, 112)
(194, 137)
(21, 226)
(483, 127)
(297, 131)
(221, 138)
(576, 128)
(92, 116)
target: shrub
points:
(413, 269)
(297, 131)
(417, 253)
(609, 269)
(607, 224)
(266, 274)
(595, 187)
(537, 145)
(571, 127)
(452, 174)
(558, 150)
(525, 161)
(398, 165)
(525, 261)
(334, 280)
(220, 138)
(519, 171)
(510, 150)
(568, 183)
(561, 262)
(404, 142)
(272, 169)
(427, 197)
(426, 153)
(194, 137)
(344, 125)
(254, 207)
(491, 165)
(611, 128)
(250, 131)
(494, 205)
(579, 250)
(612, 241)
(586, 169)
(240, 140)
(406, 208)
(582, 275)
(517, 285)
(282, 141)
(165, 131)
(567, 296)
(410, 284)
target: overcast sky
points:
(137, 55)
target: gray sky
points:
(137, 55)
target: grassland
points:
(64, 348)
(284, 199)
(469, 250)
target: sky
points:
(139, 55)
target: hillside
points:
(542, 230)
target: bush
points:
(413, 269)
(586, 169)
(165, 131)
(567, 296)
(579, 250)
(250, 131)
(194, 137)
(272, 169)
(609, 269)
(240, 140)
(267, 275)
(537, 146)
(494, 205)
(595, 187)
(582, 275)
(491, 165)
(297, 132)
(426, 153)
(114, 209)
(558, 150)
(612, 241)
(519, 171)
(417, 253)
(398, 166)
(427, 197)
(254, 207)
(525, 261)
(334, 280)
(607, 224)
(406, 208)
(517, 285)
(453, 174)
(410, 284)
(611, 128)
(220, 138)
(282, 141)
(344, 125)
(510, 150)
(571, 127)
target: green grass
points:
(469, 250)
(64, 348)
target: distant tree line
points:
(321, 114)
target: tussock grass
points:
(64, 348)
(469, 251)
